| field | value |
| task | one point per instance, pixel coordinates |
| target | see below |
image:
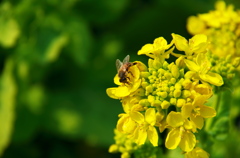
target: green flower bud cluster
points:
(165, 85)
(122, 144)
(226, 67)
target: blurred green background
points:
(58, 57)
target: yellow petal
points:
(212, 78)
(162, 126)
(202, 61)
(132, 88)
(173, 138)
(198, 43)
(175, 119)
(180, 42)
(186, 110)
(141, 136)
(159, 42)
(201, 153)
(192, 65)
(134, 73)
(111, 93)
(129, 125)
(137, 116)
(120, 122)
(188, 124)
(116, 80)
(150, 116)
(204, 89)
(207, 112)
(200, 100)
(141, 66)
(152, 135)
(198, 121)
(188, 141)
(122, 91)
(147, 50)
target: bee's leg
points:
(131, 73)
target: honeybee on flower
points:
(123, 69)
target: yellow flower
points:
(197, 153)
(222, 15)
(197, 111)
(195, 25)
(200, 70)
(221, 26)
(180, 134)
(125, 89)
(197, 44)
(130, 106)
(145, 128)
(157, 49)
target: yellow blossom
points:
(197, 153)
(197, 44)
(221, 26)
(125, 89)
(145, 128)
(157, 49)
(180, 134)
(201, 68)
(130, 106)
(197, 111)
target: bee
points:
(123, 69)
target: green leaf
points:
(55, 47)
(9, 28)
(7, 105)
(80, 41)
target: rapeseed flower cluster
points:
(168, 96)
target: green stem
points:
(215, 106)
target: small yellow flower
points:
(124, 89)
(145, 128)
(221, 27)
(157, 49)
(195, 25)
(197, 44)
(130, 106)
(180, 134)
(222, 15)
(201, 70)
(197, 153)
(197, 111)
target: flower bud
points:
(149, 89)
(176, 93)
(186, 93)
(144, 102)
(236, 62)
(181, 102)
(165, 104)
(173, 101)
(113, 148)
(187, 84)
(175, 71)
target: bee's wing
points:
(126, 59)
(118, 64)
